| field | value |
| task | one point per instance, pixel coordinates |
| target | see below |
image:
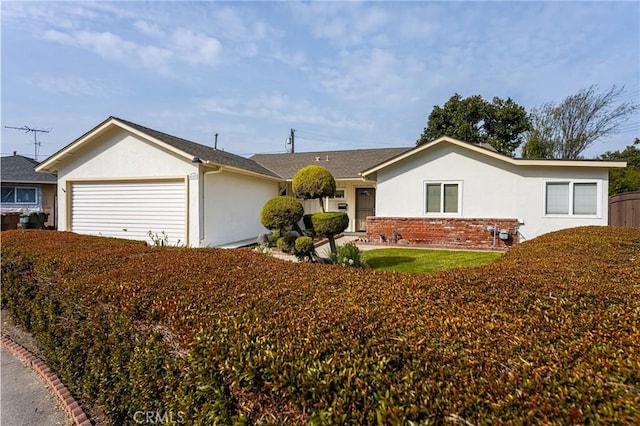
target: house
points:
(25, 190)
(124, 180)
(452, 193)
(354, 195)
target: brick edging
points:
(67, 400)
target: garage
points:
(129, 209)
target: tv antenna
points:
(35, 132)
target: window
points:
(339, 193)
(571, 198)
(442, 197)
(18, 195)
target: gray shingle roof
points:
(342, 164)
(205, 153)
(20, 169)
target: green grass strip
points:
(425, 261)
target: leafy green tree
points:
(314, 182)
(565, 130)
(627, 179)
(501, 123)
(281, 213)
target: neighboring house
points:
(450, 193)
(25, 190)
(123, 180)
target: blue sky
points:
(345, 75)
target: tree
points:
(627, 179)
(501, 123)
(313, 182)
(567, 129)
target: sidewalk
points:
(25, 399)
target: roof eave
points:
(498, 156)
(50, 164)
(222, 167)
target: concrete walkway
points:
(25, 399)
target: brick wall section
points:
(443, 232)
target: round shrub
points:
(330, 223)
(304, 248)
(285, 244)
(313, 182)
(281, 212)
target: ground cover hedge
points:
(550, 333)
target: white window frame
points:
(442, 183)
(15, 195)
(571, 183)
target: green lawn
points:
(422, 261)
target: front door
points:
(365, 206)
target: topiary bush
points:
(285, 244)
(313, 182)
(304, 249)
(330, 224)
(281, 212)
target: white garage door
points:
(129, 210)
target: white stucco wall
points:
(491, 188)
(232, 207)
(116, 154)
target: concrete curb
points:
(75, 411)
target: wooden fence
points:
(624, 209)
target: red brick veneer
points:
(444, 232)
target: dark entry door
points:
(365, 206)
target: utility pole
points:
(292, 141)
(35, 132)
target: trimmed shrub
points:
(547, 334)
(330, 224)
(304, 249)
(313, 182)
(285, 244)
(281, 212)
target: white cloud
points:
(195, 48)
(371, 77)
(342, 23)
(192, 48)
(113, 47)
(148, 29)
(280, 107)
(73, 85)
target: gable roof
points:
(182, 147)
(20, 169)
(346, 164)
(493, 154)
